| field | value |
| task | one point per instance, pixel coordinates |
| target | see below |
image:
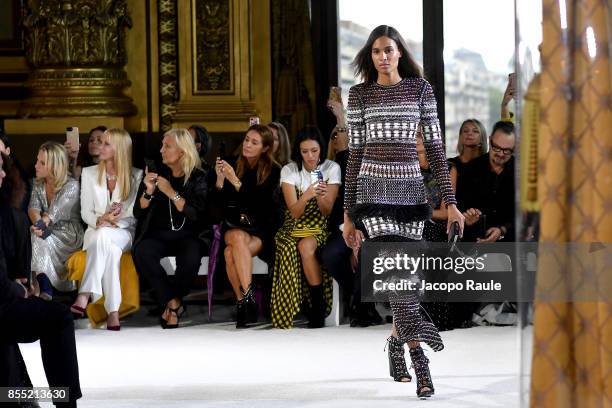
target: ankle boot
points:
(250, 305)
(397, 362)
(241, 314)
(317, 307)
(421, 368)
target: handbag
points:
(237, 218)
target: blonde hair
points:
(283, 154)
(191, 159)
(122, 144)
(56, 162)
(484, 146)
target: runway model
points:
(385, 197)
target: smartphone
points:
(151, 166)
(512, 81)
(453, 235)
(72, 135)
(253, 120)
(335, 94)
(116, 208)
(221, 153)
(316, 177)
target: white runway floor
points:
(214, 365)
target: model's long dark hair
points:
(364, 67)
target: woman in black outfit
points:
(247, 191)
(170, 214)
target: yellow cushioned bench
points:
(130, 288)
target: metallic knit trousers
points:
(407, 313)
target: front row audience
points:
(310, 187)
(107, 200)
(172, 207)
(54, 212)
(247, 190)
(169, 209)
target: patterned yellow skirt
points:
(289, 286)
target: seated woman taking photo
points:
(170, 212)
(247, 194)
(309, 188)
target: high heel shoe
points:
(316, 315)
(241, 314)
(178, 312)
(77, 311)
(250, 305)
(397, 362)
(421, 368)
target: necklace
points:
(111, 178)
(172, 219)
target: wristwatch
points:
(176, 197)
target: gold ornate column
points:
(77, 50)
(224, 70)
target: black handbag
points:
(236, 217)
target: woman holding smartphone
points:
(170, 211)
(309, 188)
(54, 211)
(107, 199)
(385, 197)
(247, 192)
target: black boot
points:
(397, 362)
(250, 305)
(317, 307)
(421, 368)
(240, 314)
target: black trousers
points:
(29, 320)
(14, 372)
(336, 257)
(154, 246)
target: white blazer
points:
(96, 200)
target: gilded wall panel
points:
(213, 39)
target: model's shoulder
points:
(358, 88)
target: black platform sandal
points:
(397, 362)
(421, 368)
(178, 312)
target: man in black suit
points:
(25, 318)
(485, 190)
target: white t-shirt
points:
(291, 175)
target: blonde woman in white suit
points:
(108, 193)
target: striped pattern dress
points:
(384, 191)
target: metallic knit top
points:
(383, 176)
